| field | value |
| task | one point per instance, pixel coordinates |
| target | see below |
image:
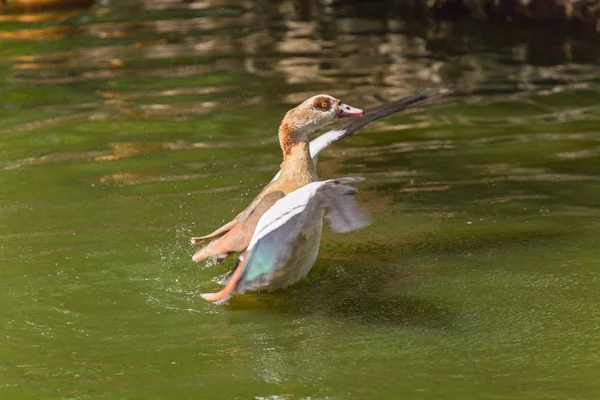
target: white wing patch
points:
(318, 144)
(309, 200)
(279, 229)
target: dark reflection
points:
(361, 296)
(366, 282)
(364, 50)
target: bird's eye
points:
(324, 104)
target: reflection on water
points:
(130, 126)
(290, 50)
(372, 58)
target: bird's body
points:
(286, 240)
(298, 170)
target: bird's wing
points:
(237, 236)
(383, 110)
(238, 218)
(219, 232)
(279, 230)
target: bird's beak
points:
(346, 111)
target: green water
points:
(128, 128)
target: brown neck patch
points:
(286, 138)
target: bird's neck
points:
(297, 165)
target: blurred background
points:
(126, 127)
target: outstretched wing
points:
(279, 230)
(238, 236)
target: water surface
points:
(127, 128)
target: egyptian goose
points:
(297, 170)
(294, 195)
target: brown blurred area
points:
(576, 15)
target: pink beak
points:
(347, 111)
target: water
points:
(128, 128)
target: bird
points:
(298, 170)
(281, 250)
